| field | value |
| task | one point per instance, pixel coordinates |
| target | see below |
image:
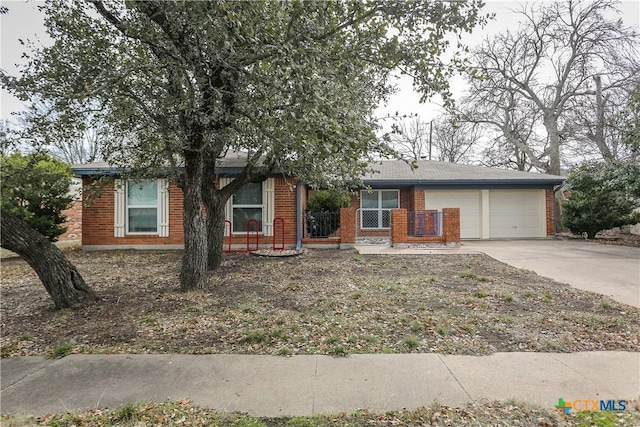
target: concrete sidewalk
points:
(304, 385)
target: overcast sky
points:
(24, 21)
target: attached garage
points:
(494, 214)
(516, 213)
(470, 204)
(493, 203)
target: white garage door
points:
(517, 213)
(470, 207)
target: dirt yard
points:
(324, 302)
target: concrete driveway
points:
(606, 269)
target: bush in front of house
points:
(323, 212)
(35, 188)
(603, 195)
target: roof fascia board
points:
(470, 184)
(224, 171)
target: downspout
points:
(298, 216)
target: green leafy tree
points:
(602, 196)
(35, 188)
(293, 85)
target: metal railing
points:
(425, 223)
(321, 224)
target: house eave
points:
(112, 171)
(463, 183)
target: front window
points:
(142, 206)
(247, 208)
(376, 207)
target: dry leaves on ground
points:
(321, 302)
(509, 413)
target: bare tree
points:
(600, 120)
(549, 63)
(498, 108)
(411, 138)
(455, 141)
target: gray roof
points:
(432, 172)
(393, 173)
(233, 162)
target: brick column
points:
(451, 225)
(550, 210)
(347, 228)
(399, 227)
(417, 200)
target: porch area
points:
(406, 229)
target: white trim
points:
(163, 208)
(157, 207)
(119, 206)
(268, 209)
(379, 209)
(260, 206)
(485, 230)
(228, 212)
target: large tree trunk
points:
(59, 277)
(194, 262)
(551, 125)
(214, 201)
(215, 227)
(599, 136)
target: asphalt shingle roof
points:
(429, 171)
(396, 172)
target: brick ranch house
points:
(436, 203)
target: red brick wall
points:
(347, 225)
(550, 208)
(99, 219)
(73, 222)
(399, 226)
(451, 225)
(417, 200)
(285, 207)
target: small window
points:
(376, 207)
(247, 206)
(142, 206)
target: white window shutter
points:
(120, 208)
(228, 209)
(268, 205)
(163, 207)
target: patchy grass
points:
(322, 302)
(508, 413)
(61, 350)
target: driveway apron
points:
(606, 269)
